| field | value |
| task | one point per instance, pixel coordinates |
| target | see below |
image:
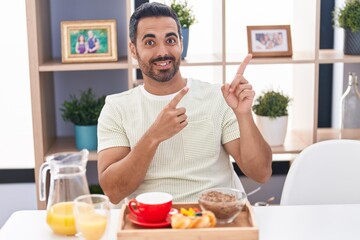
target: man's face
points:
(90, 34)
(158, 48)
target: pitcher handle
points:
(42, 180)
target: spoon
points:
(267, 203)
(270, 200)
(253, 191)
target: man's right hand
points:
(170, 120)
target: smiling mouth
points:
(162, 63)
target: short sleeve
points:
(230, 126)
(111, 132)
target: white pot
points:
(272, 129)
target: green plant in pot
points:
(271, 110)
(187, 18)
(348, 18)
(84, 112)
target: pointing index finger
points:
(244, 64)
(175, 101)
(240, 72)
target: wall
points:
(16, 136)
(16, 196)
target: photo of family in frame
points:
(269, 41)
(89, 41)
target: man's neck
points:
(164, 88)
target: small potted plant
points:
(348, 18)
(84, 112)
(271, 110)
(187, 18)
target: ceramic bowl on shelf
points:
(225, 203)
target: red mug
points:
(151, 206)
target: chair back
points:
(326, 172)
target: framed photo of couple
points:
(88, 41)
(269, 41)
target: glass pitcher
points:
(67, 181)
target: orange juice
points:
(92, 226)
(60, 218)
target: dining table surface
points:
(305, 222)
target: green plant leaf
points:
(271, 104)
(84, 110)
(348, 17)
(95, 189)
(183, 12)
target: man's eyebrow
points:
(171, 34)
(150, 35)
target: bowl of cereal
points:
(225, 203)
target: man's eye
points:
(150, 42)
(171, 41)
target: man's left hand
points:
(239, 95)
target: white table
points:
(321, 222)
(274, 222)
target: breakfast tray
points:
(243, 227)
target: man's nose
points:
(162, 50)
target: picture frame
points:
(89, 41)
(269, 41)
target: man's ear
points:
(132, 48)
(182, 44)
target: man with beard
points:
(93, 42)
(174, 134)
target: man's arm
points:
(251, 152)
(122, 170)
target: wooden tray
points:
(243, 227)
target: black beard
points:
(165, 75)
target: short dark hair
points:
(153, 9)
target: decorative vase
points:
(350, 104)
(351, 42)
(185, 33)
(272, 129)
(86, 137)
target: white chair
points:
(326, 172)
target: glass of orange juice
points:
(60, 218)
(92, 216)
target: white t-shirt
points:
(192, 160)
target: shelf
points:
(294, 143)
(297, 58)
(56, 65)
(335, 56)
(67, 144)
(331, 133)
